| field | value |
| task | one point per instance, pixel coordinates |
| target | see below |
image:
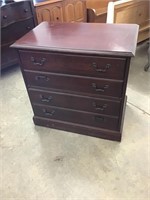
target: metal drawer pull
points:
(95, 66)
(5, 17)
(46, 99)
(25, 10)
(41, 62)
(99, 89)
(99, 119)
(47, 113)
(101, 108)
(28, 27)
(44, 78)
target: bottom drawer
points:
(85, 118)
(78, 128)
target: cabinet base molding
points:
(78, 128)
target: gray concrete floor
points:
(38, 163)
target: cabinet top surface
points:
(95, 38)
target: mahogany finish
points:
(77, 117)
(77, 102)
(80, 64)
(76, 75)
(17, 18)
(75, 84)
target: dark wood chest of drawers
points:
(76, 75)
(17, 18)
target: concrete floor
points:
(44, 164)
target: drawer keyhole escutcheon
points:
(47, 113)
(40, 63)
(95, 66)
(46, 99)
(43, 78)
(98, 107)
(99, 89)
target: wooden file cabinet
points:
(76, 81)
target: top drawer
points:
(102, 67)
(13, 12)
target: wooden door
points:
(75, 11)
(43, 14)
(50, 12)
(56, 12)
(80, 11)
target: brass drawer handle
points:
(98, 119)
(47, 113)
(40, 63)
(99, 89)
(101, 108)
(95, 66)
(46, 99)
(43, 78)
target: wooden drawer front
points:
(101, 106)
(103, 67)
(16, 30)
(84, 118)
(75, 84)
(15, 12)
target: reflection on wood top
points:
(96, 38)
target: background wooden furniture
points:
(49, 11)
(75, 10)
(61, 10)
(17, 18)
(97, 10)
(131, 11)
(121, 11)
(76, 81)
